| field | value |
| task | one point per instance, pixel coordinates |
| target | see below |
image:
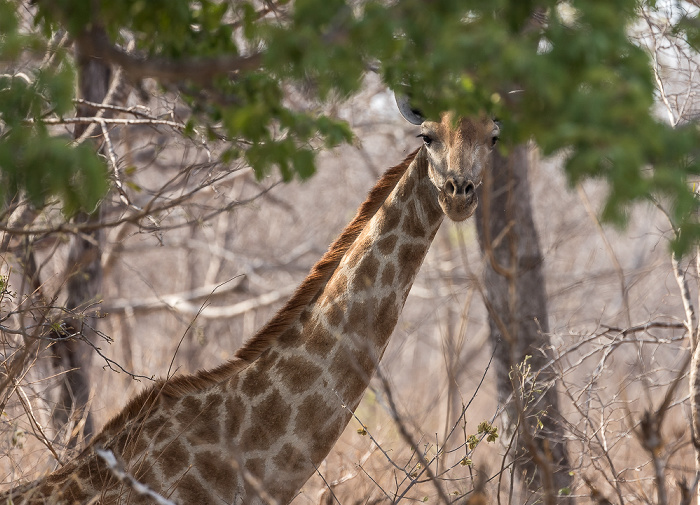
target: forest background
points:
(169, 171)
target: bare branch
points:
(195, 70)
(120, 473)
(180, 302)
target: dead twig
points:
(120, 473)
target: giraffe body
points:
(255, 429)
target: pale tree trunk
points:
(695, 411)
(514, 293)
(693, 329)
(83, 284)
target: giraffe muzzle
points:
(456, 188)
(458, 198)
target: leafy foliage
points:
(30, 158)
(584, 88)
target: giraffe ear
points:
(410, 114)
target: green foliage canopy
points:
(585, 88)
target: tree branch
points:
(195, 70)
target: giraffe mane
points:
(267, 336)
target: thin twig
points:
(30, 412)
(118, 471)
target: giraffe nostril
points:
(450, 188)
(469, 188)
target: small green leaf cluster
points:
(6, 294)
(484, 430)
(31, 160)
(488, 430)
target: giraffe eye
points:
(426, 139)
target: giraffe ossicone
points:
(253, 430)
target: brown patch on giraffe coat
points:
(289, 337)
(207, 427)
(218, 472)
(152, 426)
(256, 379)
(191, 490)
(162, 435)
(297, 373)
(311, 414)
(235, 412)
(316, 418)
(358, 318)
(409, 260)
(174, 458)
(255, 466)
(164, 402)
(388, 274)
(352, 370)
(189, 409)
(435, 215)
(319, 341)
(391, 217)
(412, 224)
(137, 445)
(272, 416)
(335, 313)
(366, 273)
(291, 460)
(385, 319)
(386, 245)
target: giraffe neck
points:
(354, 316)
(312, 379)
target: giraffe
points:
(253, 430)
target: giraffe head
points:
(458, 152)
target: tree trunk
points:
(83, 283)
(694, 378)
(695, 409)
(517, 303)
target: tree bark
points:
(694, 379)
(83, 283)
(695, 410)
(514, 293)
